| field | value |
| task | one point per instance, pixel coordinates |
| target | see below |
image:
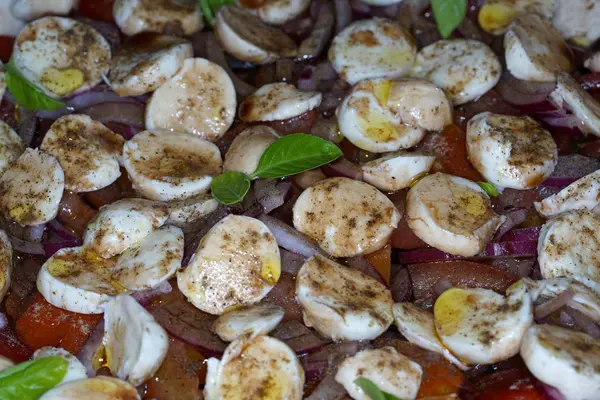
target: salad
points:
(300, 199)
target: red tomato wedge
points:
(11, 346)
(42, 324)
(179, 376)
(6, 47)
(460, 273)
(381, 260)
(450, 150)
(97, 9)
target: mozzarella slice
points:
(372, 48)
(5, 363)
(396, 171)
(9, 24)
(583, 194)
(11, 145)
(389, 370)
(236, 264)
(380, 115)
(98, 388)
(135, 344)
(275, 12)
(514, 152)
(465, 69)
(342, 303)
(6, 264)
(68, 57)
(346, 217)
(577, 20)
(420, 103)
(592, 63)
(167, 166)
(481, 326)
(88, 152)
(247, 38)
(370, 125)
(247, 148)
(31, 189)
(452, 214)
(182, 17)
(28, 10)
(569, 247)
(199, 99)
(122, 224)
(583, 299)
(534, 50)
(565, 359)
(278, 101)
(418, 327)
(78, 280)
(154, 260)
(75, 370)
(2, 81)
(495, 16)
(144, 63)
(188, 214)
(569, 94)
(252, 321)
(259, 367)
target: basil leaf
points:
(211, 7)
(373, 391)
(26, 93)
(230, 187)
(448, 15)
(295, 153)
(31, 379)
(489, 188)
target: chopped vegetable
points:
(31, 379)
(448, 15)
(373, 391)
(489, 188)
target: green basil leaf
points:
(373, 391)
(448, 15)
(31, 379)
(489, 188)
(26, 93)
(295, 153)
(211, 7)
(230, 187)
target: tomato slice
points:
(101, 10)
(507, 384)
(381, 260)
(450, 150)
(11, 346)
(42, 324)
(74, 212)
(6, 47)
(179, 376)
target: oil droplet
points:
(270, 271)
(62, 82)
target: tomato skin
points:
(6, 47)
(381, 260)
(101, 10)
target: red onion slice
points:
(143, 297)
(316, 42)
(291, 262)
(401, 284)
(543, 310)
(587, 324)
(343, 14)
(89, 351)
(343, 168)
(28, 125)
(131, 114)
(3, 321)
(514, 217)
(272, 193)
(532, 96)
(290, 239)
(526, 248)
(26, 247)
(215, 54)
(549, 392)
(523, 234)
(441, 285)
(300, 338)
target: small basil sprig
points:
(26, 93)
(211, 7)
(489, 188)
(31, 379)
(373, 391)
(448, 15)
(288, 155)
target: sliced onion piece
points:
(290, 239)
